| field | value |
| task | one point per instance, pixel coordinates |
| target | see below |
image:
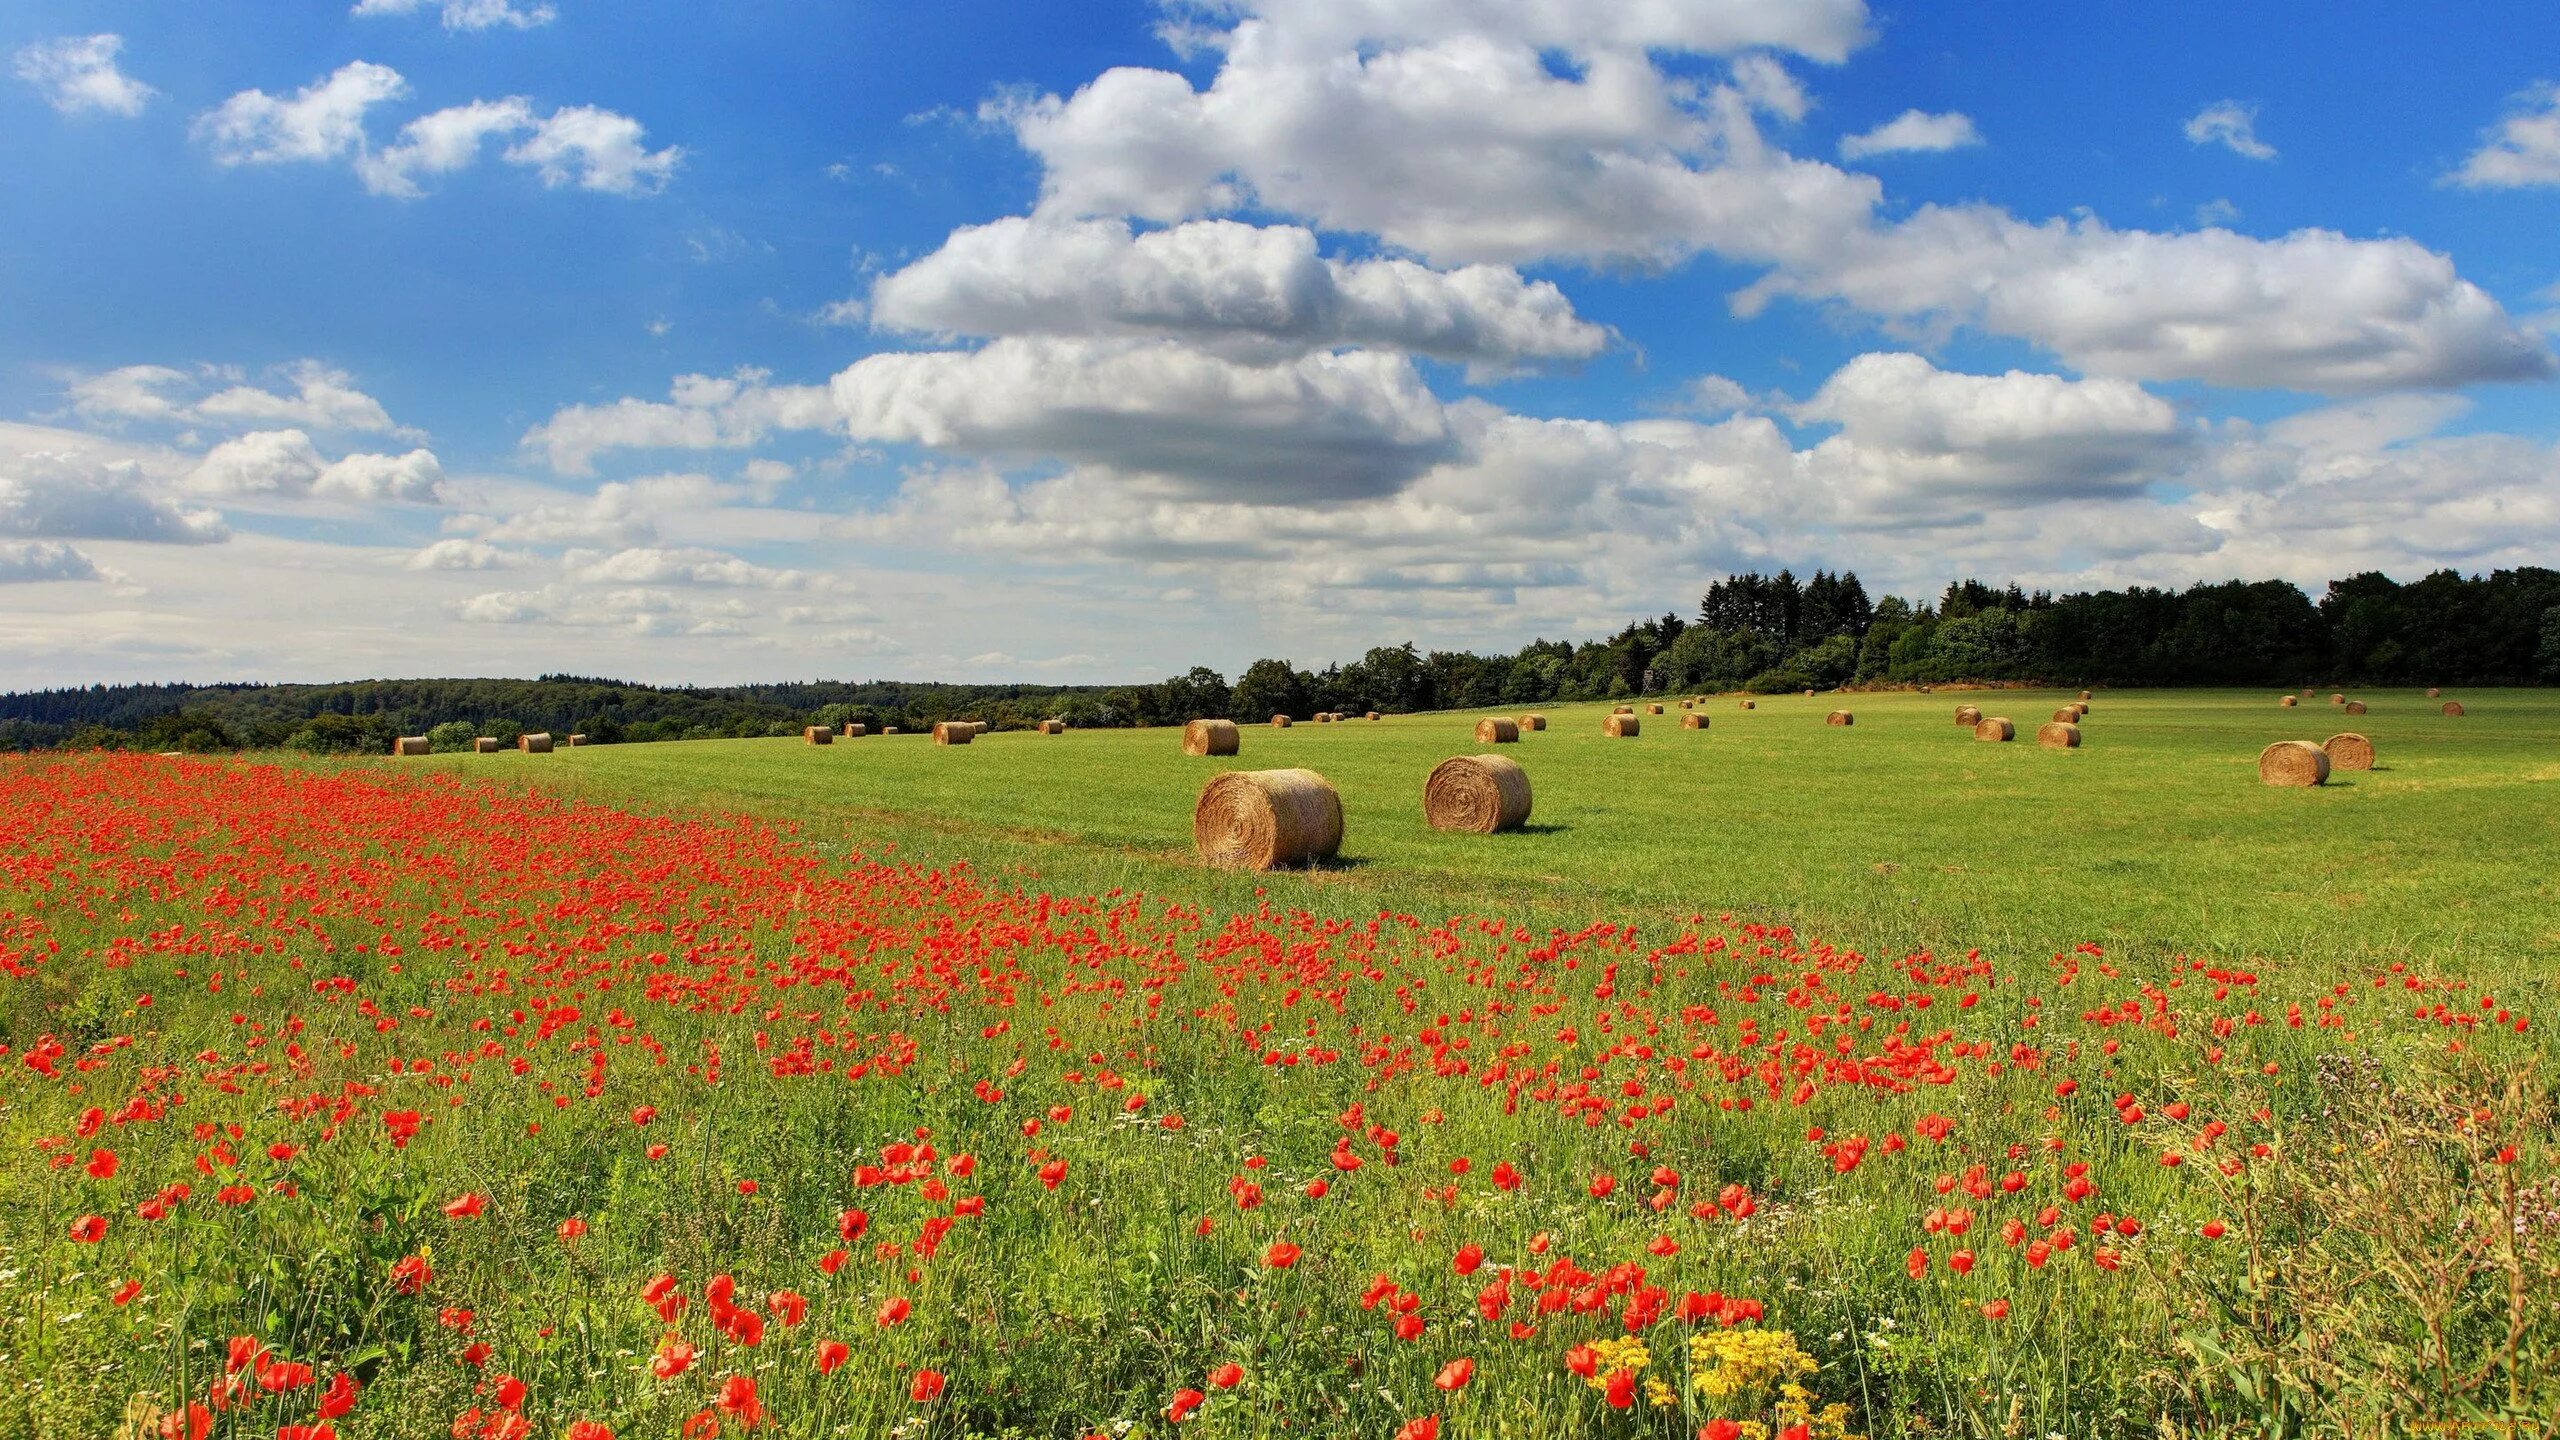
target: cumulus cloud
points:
(595, 150)
(1467, 145)
(2522, 150)
(467, 15)
(1328, 424)
(70, 496)
(701, 412)
(284, 464)
(1912, 130)
(2231, 125)
(621, 514)
(638, 609)
(456, 553)
(322, 121)
(78, 74)
(27, 562)
(1247, 291)
(677, 565)
(319, 397)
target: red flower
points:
(1455, 1374)
(928, 1386)
(410, 1274)
(89, 1229)
(738, 1399)
(1227, 1376)
(1184, 1402)
(465, 1206)
(1281, 1255)
(831, 1354)
(1421, 1427)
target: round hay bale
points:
(577, 740)
(1968, 715)
(1924, 689)
(1688, 704)
(1373, 714)
(818, 735)
(2287, 701)
(1479, 794)
(1838, 717)
(1621, 727)
(2084, 694)
(485, 745)
(1653, 709)
(980, 727)
(853, 730)
(1258, 819)
(2337, 699)
(1053, 727)
(2067, 715)
(2349, 751)
(1533, 722)
(1324, 717)
(2355, 707)
(2453, 707)
(1693, 721)
(1996, 727)
(954, 732)
(2081, 705)
(888, 729)
(1808, 694)
(1622, 709)
(1281, 722)
(1750, 704)
(2058, 735)
(1211, 737)
(1494, 730)
(409, 745)
(2294, 764)
(534, 744)
(2433, 692)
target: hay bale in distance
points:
(1373, 714)
(1621, 727)
(1497, 730)
(818, 735)
(1750, 704)
(1622, 709)
(888, 729)
(2067, 715)
(1653, 709)
(1259, 819)
(2293, 764)
(577, 740)
(2287, 701)
(1479, 794)
(534, 744)
(2453, 707)
(1693, 721)
(409, 745)
(954, 732)
(2058, 735)
(2337, 699)
(1052, 727)
(2433, 692)
(1533, 721)
(1281, 722)
(485, 745)
(2084, 694)
(1996, 727)
(1211, 737)
(2355, 707)
(2349, 751)
(1968, 715)
(1838, 717)
(853, 730)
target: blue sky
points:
(353, 339)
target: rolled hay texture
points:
(1693, 721)
(485, 745)
(2294, 764)
(1808, 694)
(1622, 709)
(2058, 735)
(1479, 794)
(1324, 717)
(2287, 701)
(2355, 707)
(1653, 709)
(409, 745)
(2337, 699)
(2084, 694)
(1997, 728)
(577, 740)
(981, 726)
(1259, 819)
(1838, 717)
(1750, 704)
(2433, 692)
(1281, 722)
(853, 730)
(954, 732)
(1211, 737)
(2453, 707)
(2349, 751)
(1495, 730)
(1688, 704)
(888, 729)
(1621, 727)
(1373, 714)
(1053, 727)
(2081, 705)
(2068, 715)
(534, 744)
(818, 735)
(1533, 722)
(1968, 715)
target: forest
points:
(1751, 632)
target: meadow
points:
(1778, 1082)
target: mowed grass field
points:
(1901, 830)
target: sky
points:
(1088, 340)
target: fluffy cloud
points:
(1912, 130)
(320, 398)
(619, 515)
(284, 464)
(702, 412)
(27, 562)
(1818, 29)
(73, 496)
(322, 121)
(595, 150)
(78, 74)
(1324, 425)
(1470, 146)
(682, 565)
(464, 14)
(461, 554)
(2231, 125)
(639, 610)
(2523, 149)
(1251, 292)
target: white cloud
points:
(28, 562)
(2523, 149)
(319, 398)
(1824, 30)
(440, 143)
(71, 496)
(1329, 424)
(1911, 131)
(284, 464)
(464, 14)
(322, 121)
(78, 73)
(595, 150)
(702, 412)
(681, 565)
(639, 610)
(619, 515)
(461, 554)
(1251, 292)
(2231, 125)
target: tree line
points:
(1753, 632)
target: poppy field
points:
(398, 1100)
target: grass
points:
(1901, 830)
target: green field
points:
(1902, 830)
